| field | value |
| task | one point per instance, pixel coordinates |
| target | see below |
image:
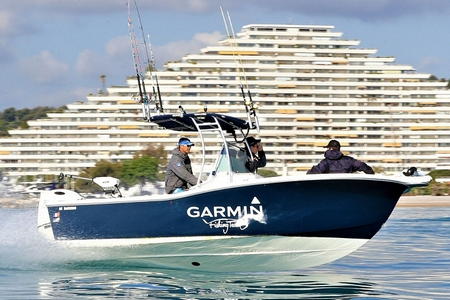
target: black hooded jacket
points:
(258, 161)
(336, 162)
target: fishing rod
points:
(143, 98)
(238, 66)
(249, 104)
(156, 77)
(150, 62)
(250, 108)
(140, 70)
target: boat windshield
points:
(238, 159)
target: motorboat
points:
(232, 220)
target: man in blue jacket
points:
(336, 162)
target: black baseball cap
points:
(333, 144)
(251, 141)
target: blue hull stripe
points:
(322, 208)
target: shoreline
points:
(19, 203)
(405, 201)
(424, 201)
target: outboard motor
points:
(109, 184)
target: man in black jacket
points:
(258, 157)
(336, 162)
(179, 170)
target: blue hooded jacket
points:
(336, 162)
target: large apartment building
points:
(309, 83)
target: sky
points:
(52, 52)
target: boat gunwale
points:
(408, 182)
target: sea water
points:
(408, 259)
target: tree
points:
(11, 118)
(156, 151)
(146, 165)
(102, 168)
(139, 170)
(433, 77)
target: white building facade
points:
(309, 83)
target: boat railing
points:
(223, 126)
(208, 127)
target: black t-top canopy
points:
(184, 122)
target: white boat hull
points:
(227, 254)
